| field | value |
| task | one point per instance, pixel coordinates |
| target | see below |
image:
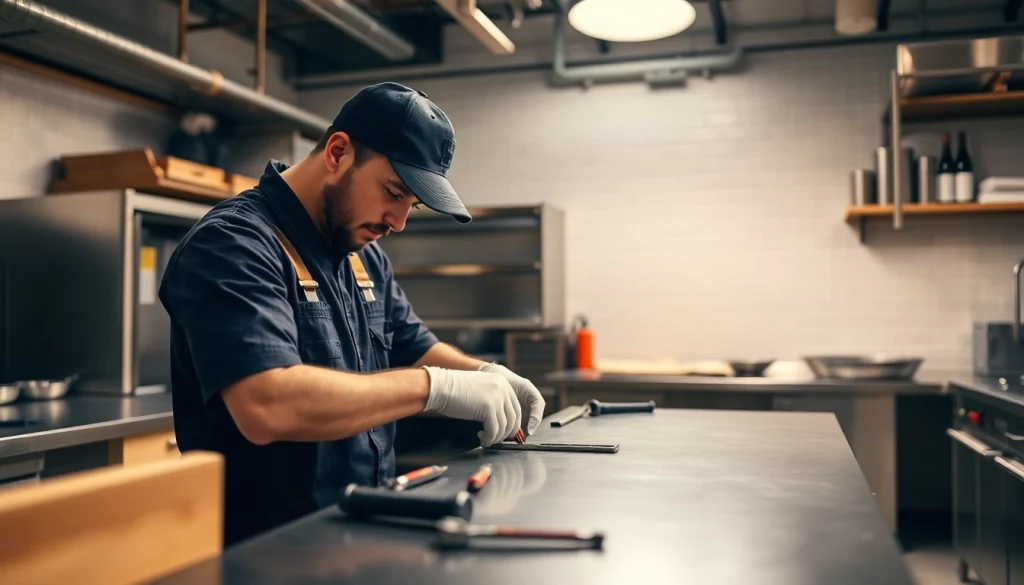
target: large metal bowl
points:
(749, 368)
(876, 367)
(9, 393)
(47, 389)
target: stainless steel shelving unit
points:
(947, 80)
(504, 270)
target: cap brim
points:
(432, 190)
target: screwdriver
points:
(457, 533)
(418, 477)
(477, 481)
(520, 437)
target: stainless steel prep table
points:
(79, 419)
(691, 497)
(866, 411)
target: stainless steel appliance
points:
(503, 271)
(998, 346)
(996, 353)
(82, 272)
(988, 485)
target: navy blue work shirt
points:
(236, 309)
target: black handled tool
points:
(599, 408)
(359, 502)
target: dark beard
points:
(337, 207)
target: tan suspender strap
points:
(305, 278)
(359, 271)
(362, 278)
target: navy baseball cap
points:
(415, 135)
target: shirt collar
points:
(294, 220)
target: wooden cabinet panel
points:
(144, 448)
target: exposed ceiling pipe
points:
(38, 17)
(359, 25)
(652, 70)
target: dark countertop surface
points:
(927, 382)
(1009, 389)
(692, 496)
(79, 419)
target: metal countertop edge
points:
(78, 435)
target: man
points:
(293, 348)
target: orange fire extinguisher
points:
(584, 344)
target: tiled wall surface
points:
(707, 222)
(42, 119)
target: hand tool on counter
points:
(572, 447)
(477, 481)
(417, 477)
(597, 408)
(520, 437)
(358, 502)
(458, 533)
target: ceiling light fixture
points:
(623, 21)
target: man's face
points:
(368, 201)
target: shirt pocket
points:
(380, 332)
(319, 342)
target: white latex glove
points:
(480, 396)
(529, 397)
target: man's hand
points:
(529, 397)
(480, 396)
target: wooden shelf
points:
(857, 212)
(140, 170)
(968, 105)
(465, 269)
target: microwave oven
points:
(80, 276)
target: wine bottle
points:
(947, 173)
(964, 172)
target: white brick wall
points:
(706, 222)
(42, 119)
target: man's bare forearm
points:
(443, 355)
(306, 403)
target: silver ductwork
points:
(359, 25)
(651, 70)
(38, 17)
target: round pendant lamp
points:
(625, 21)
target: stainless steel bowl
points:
(749, 368)
(47, 389)
(876, 367)
(9, 393)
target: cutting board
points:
(664, 366)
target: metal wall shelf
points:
(466, 269)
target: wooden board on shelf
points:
(967, 105)
(140, 170)
(855, 212)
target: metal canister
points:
(883, 166)
(883, 171)
(862, 187)
(926, 167)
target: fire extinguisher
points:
(584, 339)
